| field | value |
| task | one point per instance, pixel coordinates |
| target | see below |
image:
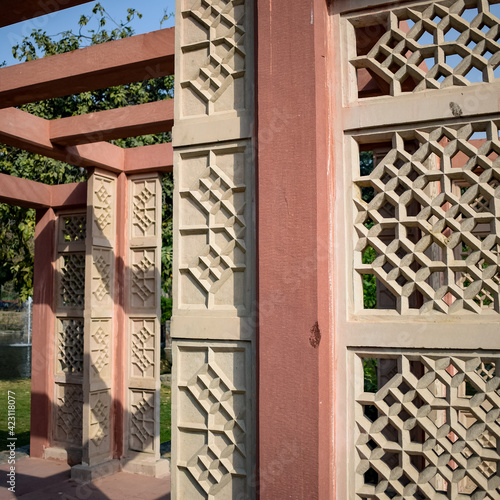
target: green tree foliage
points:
(17, 228)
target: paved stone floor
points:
(38, 479)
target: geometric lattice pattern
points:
(101, 277)
(222, 201)
(103, 204)
(433, 220)
(217, 30)
(72, 284)
(99, 420)
(451, 43)
(223, 456)
(142, 420)
(74, 228)
(70, 345)
(143, 288)
(143, 348)
(144, 208)
(143, 425)
(99, 347)
(69, 406)
(431, 430)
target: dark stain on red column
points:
(315, 336)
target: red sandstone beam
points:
(128, 60)
(15, 12)
(99, 154)
(25, 131)
(68, 195)
(32, 194)
(151, 118)
(155, 158)
(23, 192)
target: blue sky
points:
(152, 11)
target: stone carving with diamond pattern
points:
(431, 431)
(222, 201)
(214, 35)
(435, 225)
(223, 455)
(425, 57)
(99, 418)
(69, 413)
(142, 420)
(144, 209)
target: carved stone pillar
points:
(213, 334)
(142, 443)
(98, 331)
(68, 338)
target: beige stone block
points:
(143, 346)
(71, 456)
(100, 350)
(147, 467)
(102, 279)
(68, 414)
(99, 426)
(145, 200)
(143, 421)
(213, 422)
(215, 251)
(214, 65)
(85, 473)
(102, 188)
(143, 279)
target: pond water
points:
(15, 342)
(15, 356)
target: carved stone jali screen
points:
(69, 335)
(213, 326)
(107, 338)
(418, 214)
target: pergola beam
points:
(25, 131)
(23, 192)
(131, 121)
(31, 133)
(133, 59)
(155, 158)
(32, 194)
(68, 195)
(21, 10)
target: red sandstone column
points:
(294, 355)
(43, 333)
(100, 328)
(120, 338)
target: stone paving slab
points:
(38, 479)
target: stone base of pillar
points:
(86, 473)
(147, 467)
(71, 456)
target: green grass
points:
(22, 390)
(165, 411)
